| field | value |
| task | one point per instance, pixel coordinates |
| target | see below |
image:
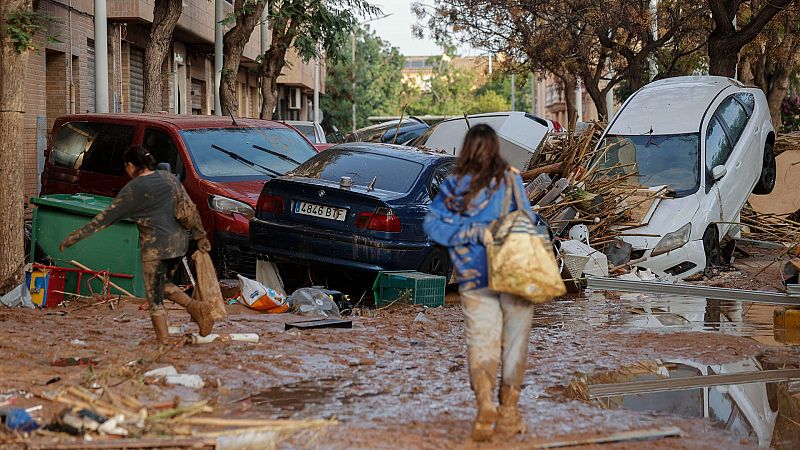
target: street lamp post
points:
(353, 54)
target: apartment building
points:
(60, 75)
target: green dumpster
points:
(115, 249)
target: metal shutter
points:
(137, 80)
(90, 78)
(197, 95)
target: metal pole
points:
(264, 30)
(513, 91)
(217, 55)
(490, 63)
(316, 86)
(100, 56)
(353, 91)
(653, 69)
(579, 100)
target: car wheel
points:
(437, 263)
(766, 182)
(711, 246)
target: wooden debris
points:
(770, 227)
(635, 435)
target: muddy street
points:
(399, 380)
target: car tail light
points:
(557, 127)
(270, 204)
(383, 219)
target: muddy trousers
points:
(157, 276)
(497, 327)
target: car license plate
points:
(322, 211)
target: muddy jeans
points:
(156, 275)
(497, 325)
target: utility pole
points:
(490, 63)
(513, 91)
(100, 57)
(353, 87)
(264, 30)
(579, 100)
(217, 54)
(533, 93)
(316, 85)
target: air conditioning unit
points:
(294, 98)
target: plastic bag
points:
(261, 298)
(207, 286)
(314, 302)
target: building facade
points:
(60, 75)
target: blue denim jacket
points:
(462, 233)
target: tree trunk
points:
(233, 45)
(165, 16)
(271, 68)
(569, 84)
(722, 56)
(598, 95)
(12, 114)
(777, 92)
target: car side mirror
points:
(718, 172)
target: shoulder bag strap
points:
(519, 198)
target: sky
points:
(396, 29)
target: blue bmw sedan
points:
(355, 206)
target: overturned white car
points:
(709, 141)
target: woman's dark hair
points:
(480, 158)
(140, 157)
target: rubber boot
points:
(483, 385)
(510, 420)
(198, 311)
(159, 319)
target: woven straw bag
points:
(520, 259)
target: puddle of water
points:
(286, 399)
(766, 414)
(662, 312)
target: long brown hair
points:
(480, 158)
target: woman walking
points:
(166, 217)
(497, 325)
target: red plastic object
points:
(66, 362)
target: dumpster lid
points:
(80, 203)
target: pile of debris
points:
(784, 228)
(99, 417)
(786, 142)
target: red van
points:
(223, 165)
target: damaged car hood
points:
(665, 216)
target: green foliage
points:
(21, 26)
(378, 82)
(489, 101)
(448, 91)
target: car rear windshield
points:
(390, 173)
(653, 160)
(221, 154)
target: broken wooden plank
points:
(684, 383)
(635, 435)
(193, 443)
(319, 323)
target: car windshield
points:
(230, 154)
(653, 160)
(390, 173)
(308, 131)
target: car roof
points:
(179, 121)
(670, 106)
(396, 151)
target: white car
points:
(312, 131)
(709, 140)
(521, 135)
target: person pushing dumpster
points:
(166, 218)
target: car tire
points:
(437, 263)
(766, 181)
(711, 246)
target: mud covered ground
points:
(392, 381)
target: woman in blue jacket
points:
(497, 325)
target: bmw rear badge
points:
(321, 193)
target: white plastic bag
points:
(261, 298)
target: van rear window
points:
(92, 147)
